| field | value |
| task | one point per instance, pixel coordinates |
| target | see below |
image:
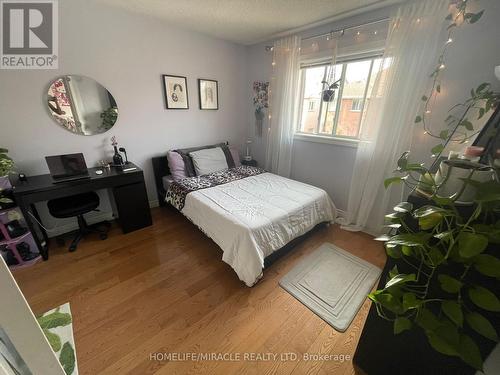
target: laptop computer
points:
(67, 167)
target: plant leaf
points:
(410, 239)
(453, 311)
(53, 339)
(449, 284)
(418, 119)
(400, 279)
(401, 324)
(393, 251)
(440, 344)
(476, 17)
(436, 256)
(482, 86)
(430, 221)
(394, 271)
(469, 352)
(427, 320)
(483, 298)
(67, 358)
(481, 113)
(429, 210)
(403, 207)
(406, 250)
(467, 124)
(481, 325)
(437, 149)
(389, 301)
(55, 319)
(391, 180)
(488, 265)
(444, 134)
(471, 244)
(410, 301)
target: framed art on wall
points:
(175, 92)
(208, 91)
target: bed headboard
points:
(160, 169)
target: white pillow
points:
(208, 160)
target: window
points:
(342, 116)
(356, 104)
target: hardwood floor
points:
(165, 289)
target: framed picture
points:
(175, 91)
(208, 91)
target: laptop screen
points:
(66, 165)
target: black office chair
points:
(77, 205)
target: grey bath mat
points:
(332, 283)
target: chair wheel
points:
(103, 236)
(72, 248)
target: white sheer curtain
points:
(410, 56)
(284, 105)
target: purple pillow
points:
(176, 165)
(236, 156)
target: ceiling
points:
(248, 21)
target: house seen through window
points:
(343, 116)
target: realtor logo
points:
(28, 34)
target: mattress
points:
(250, 218)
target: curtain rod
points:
(341, 29)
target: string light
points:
(375, 32)
(358, 33)
(428, 111)
(426, 132)
(273, 63)
(449, 41)
(418, 20)
(442, 66)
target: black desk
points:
(128, 189)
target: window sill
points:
(339, 141)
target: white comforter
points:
(255, 216)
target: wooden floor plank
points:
(165, 289)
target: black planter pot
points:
(379, 351)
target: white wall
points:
(470, 61)
(126, 53)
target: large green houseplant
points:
(450, 255)
(443, 248)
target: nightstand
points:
(252, 163)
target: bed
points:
(248, 212)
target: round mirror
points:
(81, 105)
